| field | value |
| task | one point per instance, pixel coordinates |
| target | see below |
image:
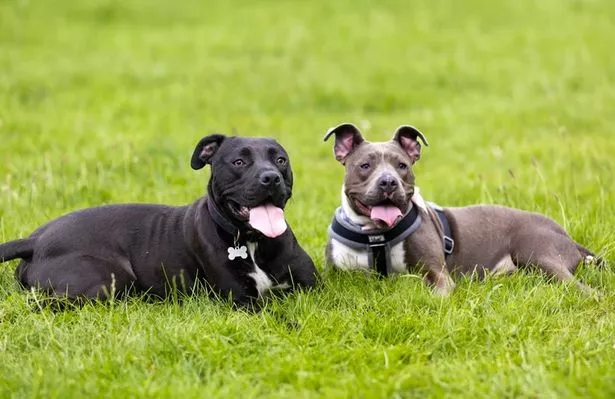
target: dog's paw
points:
(591, 260)
(444, 290)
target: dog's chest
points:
(263, 282)
(347, 258)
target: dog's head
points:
(251, 180)
(379, 181)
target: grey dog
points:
(379, 195)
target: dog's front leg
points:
(434, 271)
(302, 271)
(296, 270)
(289, 264)
(424, 251)
(226, 286)
(440, 280)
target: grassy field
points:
(102, 102)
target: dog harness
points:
(378, 243)
(447, 237)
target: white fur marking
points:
(263, 282)
(504, 266)
(282, 286)
(398, 258)
(417, 198)
(347, 258)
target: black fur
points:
(105, 251)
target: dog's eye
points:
(402, 166)
(365, 165)
(239, 162)
(281, 161)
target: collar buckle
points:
(449, 245)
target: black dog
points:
(235, 239)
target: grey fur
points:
(488, 238)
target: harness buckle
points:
(449, 245)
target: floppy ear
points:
(205, 149)
(347, 138)
(407, 136)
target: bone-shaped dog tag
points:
(237, 252)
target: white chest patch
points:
(261, 279)
(347, 258)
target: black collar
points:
(222, 221)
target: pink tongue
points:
(386, 213)
(268, 219)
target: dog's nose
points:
(270, 179)
(388, 184)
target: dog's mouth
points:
(266, 218)
(383, 212)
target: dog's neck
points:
(365, 222)
(220, 219)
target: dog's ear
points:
(407, 136)
(347, 138)
(205, 149)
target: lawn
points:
(102, 101)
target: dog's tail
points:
(23, 249)
(589, 257)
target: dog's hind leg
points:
(560, 268)
(589, 258)
(79, 277)
(553, 253)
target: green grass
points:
(103, 101)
